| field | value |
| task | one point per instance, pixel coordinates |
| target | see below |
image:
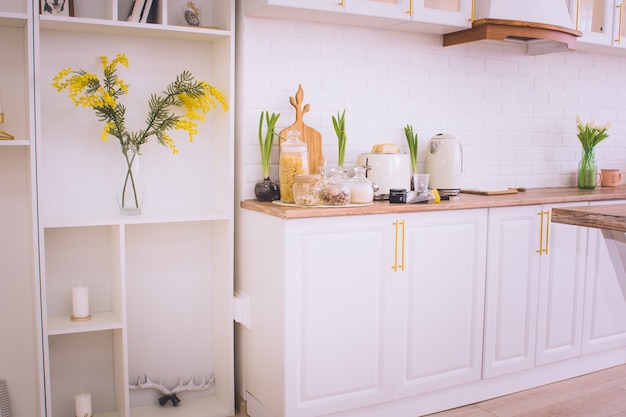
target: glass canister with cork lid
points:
(307, 189)
(294, 160)
(336, 189)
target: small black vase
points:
(267, 190)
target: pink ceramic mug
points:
(611, 177)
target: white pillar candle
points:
(80, 302)
(82, 403)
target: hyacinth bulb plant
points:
(181, 106)
(412, 140)
(589, 134)
(339, 124)
(267, 189)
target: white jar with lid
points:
(361, 189)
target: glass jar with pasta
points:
(294, 160)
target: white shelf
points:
(113, 219)
(207, 406)
(13, 20)
(99, 321)
(15, 142)
(149, 30)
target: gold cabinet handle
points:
(402, 257)
(619, 27)
(395, 252)
(540, 250)
(577, 13)
(342, 3)
(410, 11)
(547, 231)
(472, 15)
(395, 265)
(545, 215)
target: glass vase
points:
(131, 195)
(267, 190)
(587, 170)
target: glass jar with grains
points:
(336, 189)
(294, 160)
(306, 190)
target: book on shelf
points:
(135, 11)
(146, 12)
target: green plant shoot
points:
(266, 141)
(412, 140)
(339, 123)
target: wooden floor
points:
(601, 394)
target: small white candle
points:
(82, 403)
(80, 302)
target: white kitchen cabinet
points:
(619, 24)
(19, 305)
(348, 312)
(604, 305)
(594, 18)
(425, 16)
(160, 283)
(535, 289)
(437, 16)
(439, 340)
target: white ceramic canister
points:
(444, 163)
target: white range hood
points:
(544, 26)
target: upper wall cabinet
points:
(603, 24)
(425, 16)
(594, 18)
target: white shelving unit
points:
(161, 283)
(18, 298)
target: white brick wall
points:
(514, 114)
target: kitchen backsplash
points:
(514, 114)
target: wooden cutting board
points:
(490, 191)
(308, 135)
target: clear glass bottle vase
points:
(132, 192)
(588, 170)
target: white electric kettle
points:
(444, 163)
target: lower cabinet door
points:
(441, 301)
(511, 289)
(338, 314)
(535, 289)
(561, 291)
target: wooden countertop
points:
(609, 217)
(462, 201)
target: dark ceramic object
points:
(267, 190)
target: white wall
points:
(514, 114)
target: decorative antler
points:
(170, 394)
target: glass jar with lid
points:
(294, 160)
(336, 189)
(361, 189)
(307, 189)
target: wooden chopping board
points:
(308, 135)
(490, 191)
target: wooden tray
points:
(490, 191)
